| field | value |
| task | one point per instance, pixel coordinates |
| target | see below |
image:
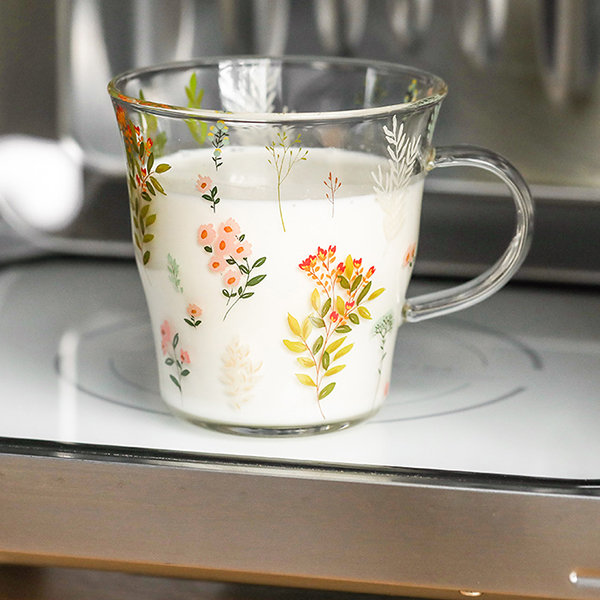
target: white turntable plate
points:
(511, 386)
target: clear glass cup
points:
(275, 207)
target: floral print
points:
(194, 312)
(203, 184)
(209, 192)
(338, 300)
(230, 255)
(217, 263)
(239, 373)
(219, 139)
(409, 256)
(142, 181)
(229, 227)
(333, 185)
(390, 185)
(284, 154)
(195, 95)
(175, 358)
(206, 234)
(341, 292)
(231, 278)
(382, 329)
(173, 270)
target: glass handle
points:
(462, 296)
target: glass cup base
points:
(269, 431)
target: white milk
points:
(240, 370)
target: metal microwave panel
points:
(480, 474)
(498, 58)
(522, 73)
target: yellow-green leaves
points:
(294, 325)
(315, 300)
(335, 345)
(363, 311)
(294, 346)
(376, 293)
(343, 351)
(143, 185)
(302, 331)
(337, 305)
(198, 129)
(306, 362)
(305, 379)
(334, 370)
(326, 390)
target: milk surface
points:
(248, 354)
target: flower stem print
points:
(173, 270)
(284, 153)
(232, 277)
(332, 185)
(205, 184)
(382, 329)
(230, 255)
(338, 301)
(239, 374)
(198, 129)
(142, 181)
(218, 133)
(391, 185)
(194, 312)
(176, 359)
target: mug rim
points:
(438, 93)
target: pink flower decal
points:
(176, 357)
(230, 254)
(165, 331)
(166, 337)
(242, 250)
(206, 235)
(194, 310)
(203, 184)
(217, 263)
(209, 192)
(194, 313)
(224, 245)
(231, 278)
(229, 228)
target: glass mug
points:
(275, 207)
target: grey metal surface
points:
(465, 225)
(502, 103)
(388, 531)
